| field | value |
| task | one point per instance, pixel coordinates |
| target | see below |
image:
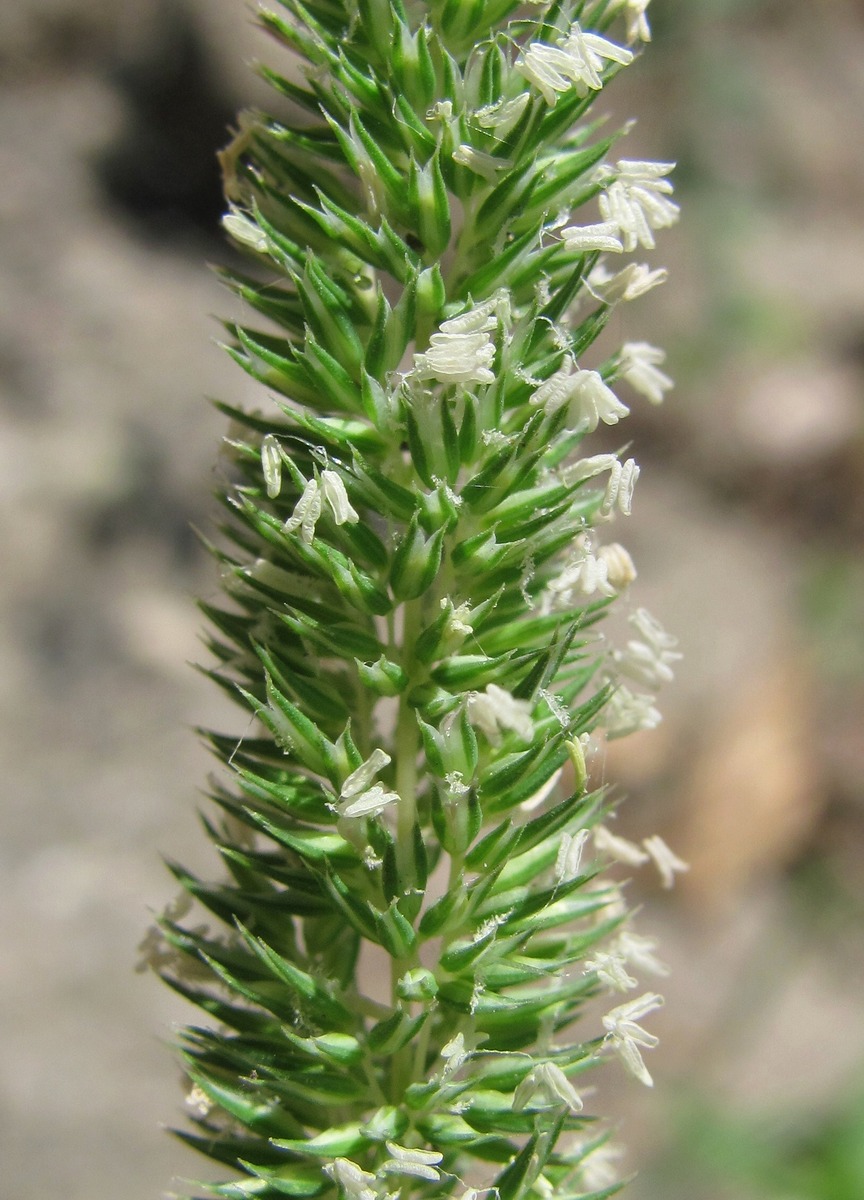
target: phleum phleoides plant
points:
(419, 897)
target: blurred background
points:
(748, 532)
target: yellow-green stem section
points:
(406, 748)
(407, 739)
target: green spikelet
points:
(414, 560)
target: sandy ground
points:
(747, 533)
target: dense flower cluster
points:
(415, 559)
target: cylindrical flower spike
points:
(419, 893)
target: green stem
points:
(466, 244)
(406, 749)
(407, 745)
(421, 1049)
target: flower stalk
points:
(415, 562)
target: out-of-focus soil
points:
(747, 531)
